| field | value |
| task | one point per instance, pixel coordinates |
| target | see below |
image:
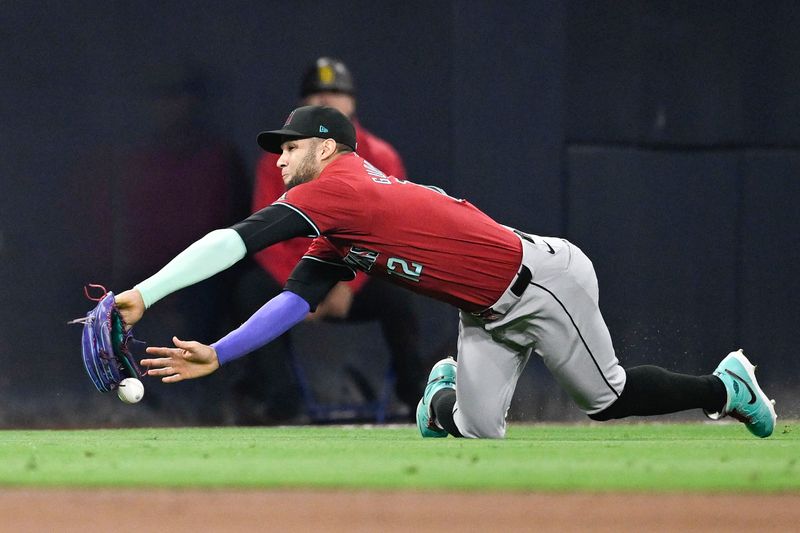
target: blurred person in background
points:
(267, 391)
(182, 182)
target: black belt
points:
(524, 277)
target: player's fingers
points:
(163, 371)
(155, 362)
(163, 362)
(163, 351)
(172, 379)
(185, 345)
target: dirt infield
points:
(232, 511)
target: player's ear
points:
(328, 148)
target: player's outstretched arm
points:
(191, 359)
(188, 360)
(274, 318)
(213, 253)
(221, 249)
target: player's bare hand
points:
(188, 360)
(130, 305)
(336, 304)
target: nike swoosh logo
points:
(752, 394)
(528, 238)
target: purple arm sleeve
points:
(273, 319)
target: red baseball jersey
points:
(413, 235)
(280, 259)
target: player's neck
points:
(326, 162)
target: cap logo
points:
(326, 74)
(289, 118)
(323, 129)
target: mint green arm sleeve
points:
(211, 254)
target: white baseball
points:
(130, 390)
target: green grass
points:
(627, 457)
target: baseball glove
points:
(107, 344)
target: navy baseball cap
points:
(327, 74)
(310, 121)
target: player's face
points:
(299, 161)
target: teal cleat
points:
(747, 403)
(443, 375)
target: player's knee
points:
(479, 427)
(485, 432)
(602, 416)
(618, 409)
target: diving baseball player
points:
(517, 293)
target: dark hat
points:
(327, 74)
(310, 121)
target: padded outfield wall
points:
(660, 137)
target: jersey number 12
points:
(410, 272)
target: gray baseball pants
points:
(558, 318)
